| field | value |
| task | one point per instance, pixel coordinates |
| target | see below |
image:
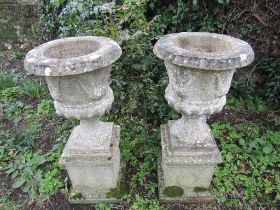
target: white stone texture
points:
(200, 68)
(77, 71)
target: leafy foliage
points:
(250, 157)
(10, 94)
(270, 70)
(46, 107)
(16, 111)
(27, 169)
(34, 172)
(51, 183)
(144, 203)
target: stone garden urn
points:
(77, 71)
(200, 67)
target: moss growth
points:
(117, 192)
(173, 191)
(77, 196)
(200, 189)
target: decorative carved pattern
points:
(222, 81)
(187, 179)
(80, 89)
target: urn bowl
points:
(77, 70)
(200, 67)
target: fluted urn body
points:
(77, 71)
(200, 67)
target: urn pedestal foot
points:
(93, 171)
(185, 175)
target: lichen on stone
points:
(117, 192)
(173, 191)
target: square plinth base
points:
(187, 174)
(189, 197)
(94, 174)
(88, 196)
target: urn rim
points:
(203, 50)
(72, 55)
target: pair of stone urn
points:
(200, 68)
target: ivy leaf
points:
(194, 2)
(242, 142)
(268, 149)
(57, 3)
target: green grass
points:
(6, 81)
(33, 88)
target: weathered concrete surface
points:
(189, 196)
(77, 71)
(93, 173)
(202, 50)
(200, 67)
(71, 56)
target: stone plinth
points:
(77, 71)
(189, 168)
(200, 67)
(93, 173)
